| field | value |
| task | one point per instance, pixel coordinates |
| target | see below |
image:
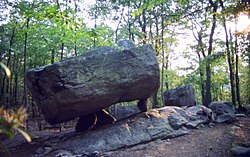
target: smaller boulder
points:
(126, 44)
(224, 111)
(240, 151)
(199, 115)
(190, 117)
(122, 112)
(181, 96)
(226, 118)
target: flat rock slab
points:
(163, 123)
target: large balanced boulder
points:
(86, 84)
(181, 96)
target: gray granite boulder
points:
(126, 44)
(122, 112)
(240, 151)
(223, 111)
(181, 96)
(99, 78)
(190, 117)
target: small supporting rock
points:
(94, 120)
(86, 122)
(103, 117)
(143, 105)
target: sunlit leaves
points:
(6, 69)
(12, 121)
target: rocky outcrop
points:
(163, 123)
(223, 111)
(86, 84)
(181, 96)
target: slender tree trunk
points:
(157, 41)
(201, 80)
(155, 100)
(201, 49)
(208, 94)
(75, 43)
(144, 26)
(129, 24)
(63, 29)
(118, 25)
(230, 64)
(62, 48)
(163, 54)
(96, 10)
(16, 80)
(143, 23)
(201, 54)
(11, 90)
(25, 63)
(237, 79)
(52, 56)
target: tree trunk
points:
(52, 56)
(230, 65)
(62, 48)
(237, 66)
(163, 54)
(25, 63)
(118, 25)
(129, 24)
(16, 80)
(155, 100)
(201, 80)
(157, 41)
(208, 94)
(144, 28)
(75, 48)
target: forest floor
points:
(207, 141)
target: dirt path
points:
(208, 141)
